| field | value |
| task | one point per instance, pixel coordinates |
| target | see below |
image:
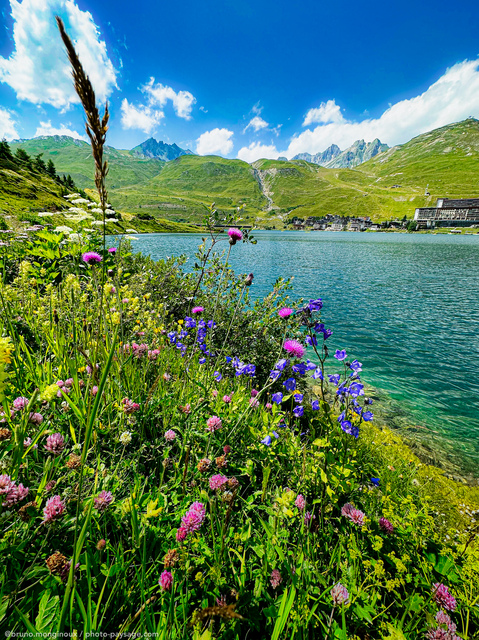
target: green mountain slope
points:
(23, 190)
(272, 192)
(29, 195)
(185, 186)
(74, 157)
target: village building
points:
(449, 213)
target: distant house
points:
(462, 212)
(357, 224)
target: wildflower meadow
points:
(180, 459)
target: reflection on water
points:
(405, 305)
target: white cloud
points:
(148, 116)
(159, 94)
(46, 129)
(142, 117)
(326, 112)
(256, 123)
(214, 141)
(256, 150)
(38, 69)
(454, 97)
(7, 126)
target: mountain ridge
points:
(390, 184)
(333, 158)
(151, 148)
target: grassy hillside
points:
(74, 157)
(185, 186)
(22, 191)
(30, 197)
(390, 185)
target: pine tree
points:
(22, 157)
(5, 151)
(39, 164)
(52, 172)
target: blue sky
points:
(244, 79)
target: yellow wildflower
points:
(151, 510)
(49, 393)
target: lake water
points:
(405, 305)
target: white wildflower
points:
(125, 437)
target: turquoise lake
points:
(405, 305)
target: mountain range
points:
(151, 148)
(334, 158)
(392, 183)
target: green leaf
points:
(394, 634)
(47, 612)
(284, 610)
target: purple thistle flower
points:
(285, 312)
(249, 280)
(55, 443)
(294, 347)
(112, 250)
(90, 257)
(166, 580)
(339, 594)
(197, 310)
(103, 501)
(235, 235)
(54, 508)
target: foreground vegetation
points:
(173, 463)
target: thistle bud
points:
(249, 280)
